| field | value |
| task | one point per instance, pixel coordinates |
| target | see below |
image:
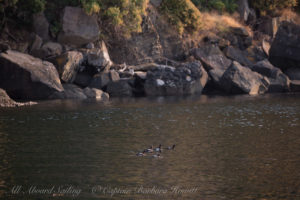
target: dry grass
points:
(215, 22)
(288, 14)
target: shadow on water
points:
(236, 147)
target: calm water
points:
(227, 148)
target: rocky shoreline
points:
(77, 66)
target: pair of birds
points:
(157, 149)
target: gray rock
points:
(73, 92)
(279, 82)
(243, 9)
(94, 93)
(26, 77)
(41, 25)
(101, 80)
(241, 31)
(36, 43)
(78, 28)
(6, 101)
(216, 75)
(269, 25)
(189, 78)
(252, 17)
(68, 64)
(119, 88)
(99, 58)
(285, 49)
(49, 49)
(83, 79)
(114, 76)
(293, 73)
(156, 3)
(238, 79)
(295, 86)
(265, 68)
(255, 54)
(238, 55)
(211, 57)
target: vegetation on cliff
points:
(126, 16)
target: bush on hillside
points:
(20, 9)
(220, 5)
(183, 14)
(270, 6)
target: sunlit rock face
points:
(68, 64)
(27, 77)
(211, 57)
(78, 28)
(238, 79)
(185, 79)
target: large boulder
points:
(215, 77)
(83, 79)
(237, 55)
(285, 49)
(26, 77)
(71, 91)
(48, 50)
(99, 58)
(120, 88)
(186, 79)
(243, 9)
(6, 101)
(68, 65)
(94, 93)
(279, 82)
(78, 28)
(238, 79)
(101, 80)
(211, 57)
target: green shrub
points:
(220, 5)
(183, 14)
(273, 5)
(90, 6)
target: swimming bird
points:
(171, 148)
(141, 153)
(150, 149)
(158, 149)
(157, 156)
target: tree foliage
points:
(272, 5)
(183, 14)
(220, 5)
(125, 14)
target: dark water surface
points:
(227, 148)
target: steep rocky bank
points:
(156, 62)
